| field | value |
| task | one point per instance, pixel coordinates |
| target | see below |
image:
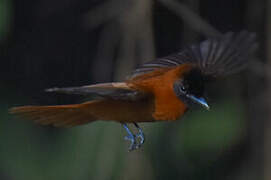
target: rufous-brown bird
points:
(160, 90)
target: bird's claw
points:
(136, 140)
(133, 144)
(140, 137)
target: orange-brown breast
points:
(167, 106)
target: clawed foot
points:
(136, 140)
(132, 139)
(139, 136)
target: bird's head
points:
(190, 88)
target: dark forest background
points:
(48, 43)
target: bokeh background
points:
(48, 43)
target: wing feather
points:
(116, 90)
(215, 57)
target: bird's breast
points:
(167, 106)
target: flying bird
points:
(160, 90)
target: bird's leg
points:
(139, 135)
(130, 137)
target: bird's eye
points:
(183, 88)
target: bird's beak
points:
(201, 101)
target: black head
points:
(190, 88)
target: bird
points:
(163, 89)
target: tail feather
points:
(73, 120)
(59, 116)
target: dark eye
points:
(183, 88)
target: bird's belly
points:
(124, 111)
(168, 115)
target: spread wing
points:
(117, 90)
(215, 57)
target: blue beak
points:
(201, 101)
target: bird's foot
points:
(132, 139)
(139, 136)
(136, 140)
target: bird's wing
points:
(221, 56)
(116, 90)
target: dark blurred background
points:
(48, 43)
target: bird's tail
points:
(59, 115)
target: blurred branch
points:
(129, 42)
(107, 44)
(146, 40)
(107, 11)
(267, 133)
(189, 36)
(257, 98)
(191, 18)
(137, 37)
